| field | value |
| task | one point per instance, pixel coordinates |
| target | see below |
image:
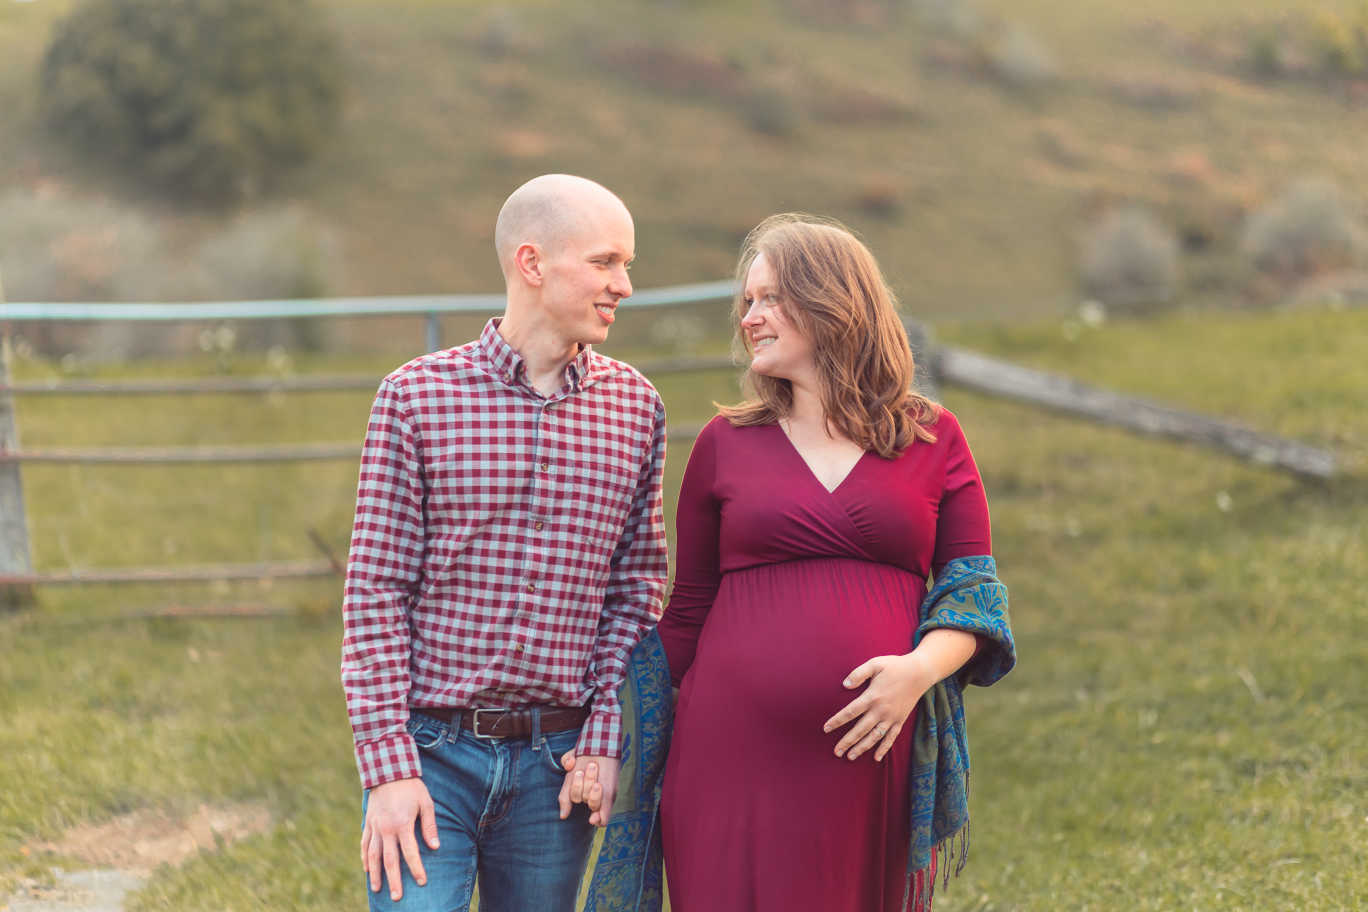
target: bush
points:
(208, 98)
(1266, 53)
(54, 248)
(1338, 42)
(1131, 260)
(1307, 230)
(265, 256)
(59, 248)
(1017, 59)
(773, 112)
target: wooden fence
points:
(937, 365)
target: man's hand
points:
(391, 811)
(592, 781)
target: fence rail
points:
(971, 370)
(186, 574)
(430, 306)
(259, 385)
(16, 575)
(936, 365)
(299, 452)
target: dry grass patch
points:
(143, 840)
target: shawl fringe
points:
(945, 858)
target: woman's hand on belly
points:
(896, 684)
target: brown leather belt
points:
(509, 723)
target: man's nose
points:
(622, 284)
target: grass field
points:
(1186, 729)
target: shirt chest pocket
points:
(602, 491)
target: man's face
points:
(585, 275)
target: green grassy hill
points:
(972, 143)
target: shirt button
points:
(538, 525)
(546, 466)
(531, 587)
(520, 647)
(549, 406)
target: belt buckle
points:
(475, 723)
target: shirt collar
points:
(510, 367)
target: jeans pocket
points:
(556, 745)
(427, 733)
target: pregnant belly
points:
(781, 638)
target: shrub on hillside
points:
(208, 98)
(1017, 59)
(772, 111)
(1266, 53)
(1339, 42)
(1130, 260)
(1307, 230)
(270, 255)
(56, 248)
(59, 248)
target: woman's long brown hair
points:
(831, 289)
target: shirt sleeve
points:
(631, 605)
(962, 529)
(384, 568)
(698, 522)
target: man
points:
(508, 552)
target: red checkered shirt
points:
(509, 548)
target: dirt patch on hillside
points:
(142, 840)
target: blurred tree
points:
(210, 99)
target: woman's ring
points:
(880, 730)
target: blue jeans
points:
(497, 815)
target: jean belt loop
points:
(536, 729)
(455, 732)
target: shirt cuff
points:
(602, 734)
(388, 760)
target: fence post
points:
(434, 331)
(14, 545)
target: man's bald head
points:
(546, 211)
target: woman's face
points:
(778, 348)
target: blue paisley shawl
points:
(628, 871)
(967, 596)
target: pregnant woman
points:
(805, 772)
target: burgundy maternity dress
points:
(782, 588)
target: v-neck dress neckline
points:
(793, 448)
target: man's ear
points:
(527, 260)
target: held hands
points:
(391, 811)
(896, 683)
(591, 781)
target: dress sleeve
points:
(698, 522)
(962, 529)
